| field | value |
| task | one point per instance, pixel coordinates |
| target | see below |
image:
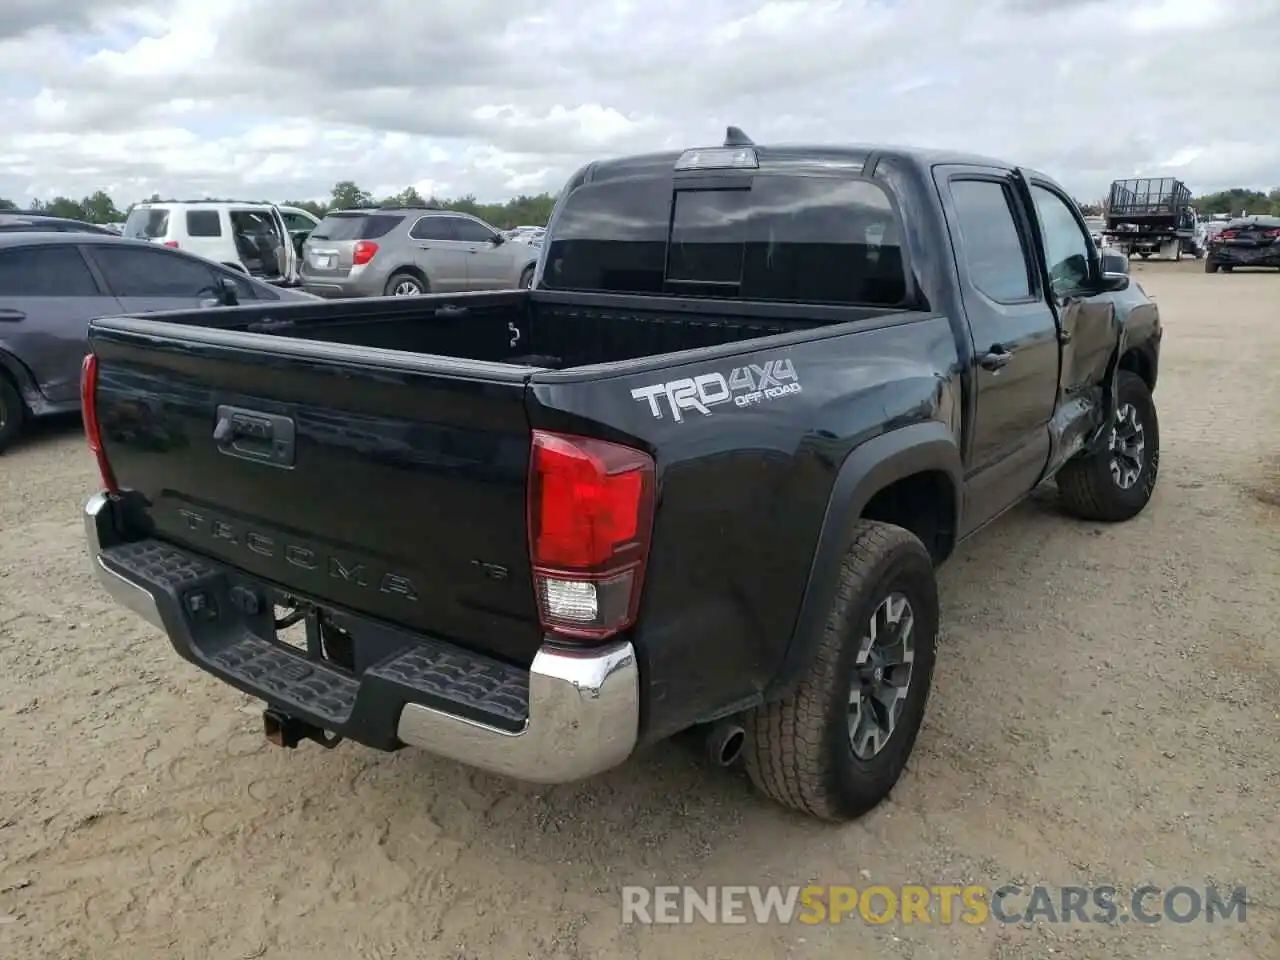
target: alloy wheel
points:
(882, 676)
(1128, 447)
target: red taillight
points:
(89, 412)
(1273, 234)
(1227, 235)
(590, 519)
(171, 243)
(363, 252)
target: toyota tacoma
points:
(697, 478)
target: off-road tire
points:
(13, 412)
(798, 749)
(1210, 266)
(1086, 486)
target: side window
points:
(203, 223)
(1066, 245)
(469, 231)
(993, 249)
(46, 271)
(143, 272)
(296, 221)
(434, 228)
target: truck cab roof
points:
(795, 159)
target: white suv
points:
(261, 239)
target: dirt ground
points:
(1106, 710)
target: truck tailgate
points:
(375, 481)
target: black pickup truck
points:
(698, 478)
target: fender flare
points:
(867, 470)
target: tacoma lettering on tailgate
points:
(309, 558)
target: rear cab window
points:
(356, 226)
(795, 239)
(147, 223)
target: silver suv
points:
(407, 252)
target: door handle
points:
(12, 315)
(996, 358)
(264, 438)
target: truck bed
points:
(524, 328)
(373, 456)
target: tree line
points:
(345, 195)
(535, 210)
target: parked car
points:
(38, 223)
(1244, 242)
(410, 251)
(53, 284)
(698, 478)
(254, 238)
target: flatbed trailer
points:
(1153, 216)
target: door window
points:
(993, 249)
(147, 272)
(470, 231)
(204, 223)
(434, 228)
(1066, 245)
(46, 271)
(297, 222)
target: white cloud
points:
(497, 97)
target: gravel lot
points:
(1105, 711)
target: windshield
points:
(146, 223)
(355, 226)
(820, 240)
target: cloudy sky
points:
(281, 98)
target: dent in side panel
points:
(743, 489)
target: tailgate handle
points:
(256, 436)
(451, 313)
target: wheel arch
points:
(412, 270)
(23, 380)
(887, 478)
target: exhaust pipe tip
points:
(725, 743)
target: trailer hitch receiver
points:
(286, 731)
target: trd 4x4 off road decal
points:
(743, 387)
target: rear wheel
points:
(1116, 483)
(526, 278)
(837, 745)
(13, 412)
(404, 285)
(1210, 266)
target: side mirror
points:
(1114, 267)
(227, 293)
(498, 240)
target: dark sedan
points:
(20, 221)
(1245, 242)
(53, 284)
